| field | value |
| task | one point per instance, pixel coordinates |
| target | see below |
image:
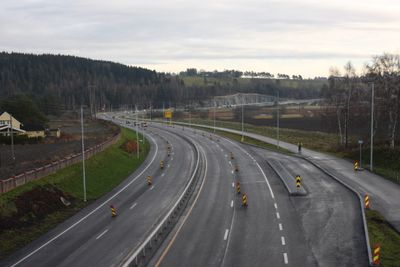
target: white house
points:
(6, 122)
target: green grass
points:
(104, 171)
(380, 232)
(386, 162)
(247, 140)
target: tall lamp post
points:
(372, 129)
(277, 119)
(83, 158)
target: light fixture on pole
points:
(277, 119)
(83, 158)
(371, 166)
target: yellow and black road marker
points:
(298, 181)
(113, 211)
(162, 164)
(244, 200)
(149, 180)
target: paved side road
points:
(384, 194)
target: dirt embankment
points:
(32, 206)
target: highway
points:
(92, 237)
(321, 228)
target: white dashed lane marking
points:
(103, 233)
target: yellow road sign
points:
(168, 114)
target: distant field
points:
(200, 81)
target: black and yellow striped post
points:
(366, 201)
(376, 258)
(244, 200)
(113, 211)
(149, 180)
(298, 181)
(237, 167)
(232, 157)
(238, 187)
(356, 165)
(162, 164)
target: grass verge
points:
(386, 161)
(104, 171)
(380, 232)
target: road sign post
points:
(360, 142)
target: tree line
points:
(349, 99)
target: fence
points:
(20, 179)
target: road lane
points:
(78, 246)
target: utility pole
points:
(12, 139)
(214, 114)
(83, 158)
(242, 122)
(372, 128)
(163, 110)
(137, 133)
(277, 119)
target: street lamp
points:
(360, 142)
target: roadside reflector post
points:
(366, 201)
(377, 255)
(244, 200)
(298, 181)
(237, 167)
(149, 180)
(232, 157)
(113, 211)
(238, 187)
(356, 165)
(162, 164)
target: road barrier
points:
(143, 253)
(25, 177)
(364, 220)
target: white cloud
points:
(275, 36)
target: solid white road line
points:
(134, 205)
(277, 215)
(231, 203)
(285, 258)
(94, 210)
(280, 227)
(283, 240)
(103, 233)
(226, 234)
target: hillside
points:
(57, 82)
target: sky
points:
(289, 36)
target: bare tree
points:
(385, 70)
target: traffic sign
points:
(168, 114)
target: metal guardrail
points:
(366, 235)
(143, 253)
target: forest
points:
(59, 82)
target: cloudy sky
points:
(290, 36)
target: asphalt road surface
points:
(92, 237)
(323, 228)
